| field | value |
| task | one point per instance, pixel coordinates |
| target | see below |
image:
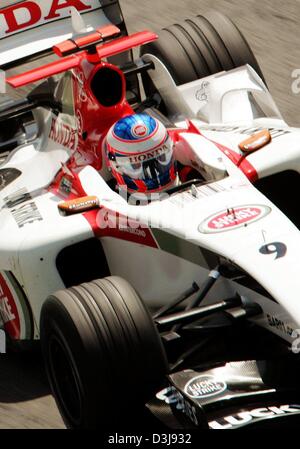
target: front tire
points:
(103, 355)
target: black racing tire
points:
(201, 46)
(103, 354)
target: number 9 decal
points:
(277, 248)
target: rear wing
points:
(102, 51)
(29, 29)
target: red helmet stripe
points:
(119, 178)
(172, 172)
(141, 185)
(139, 152)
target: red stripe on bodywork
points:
(106, 223)
(239, 160)
(9, 311)
(103, 222)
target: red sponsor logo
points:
(139, 131)
(234, 218)
(63, 134)
(28, 14)
(8, 311)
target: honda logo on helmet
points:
(147, 156)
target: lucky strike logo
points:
(30, 14)
(234, 218)
(246, 418)
(139, 131)
(204, 387)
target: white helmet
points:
(140, 154)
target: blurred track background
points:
(271, 28)
(273, 31)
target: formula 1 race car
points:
(189, 303)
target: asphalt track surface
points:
(272, 29)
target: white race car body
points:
(163, 247)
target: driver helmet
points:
(140, 154)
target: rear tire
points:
(104, 357)
(202, 46)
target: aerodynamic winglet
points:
(113, 48)
(125, 43)
(46, 71)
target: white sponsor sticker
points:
(233, 218)
(245, 418)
